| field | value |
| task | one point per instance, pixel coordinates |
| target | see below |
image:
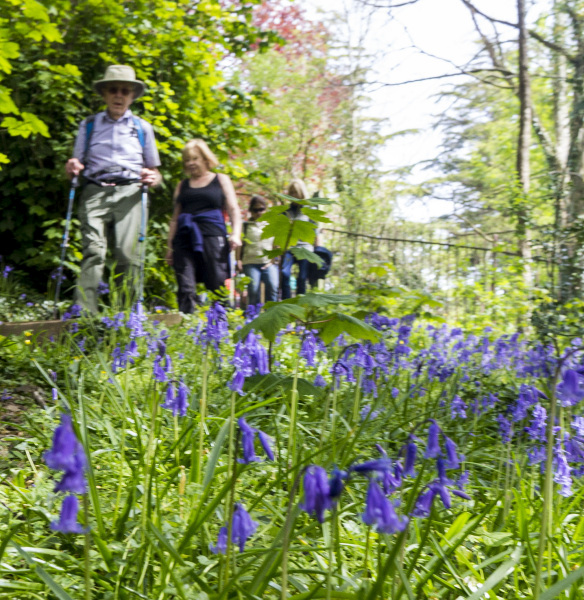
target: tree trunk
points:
(523, 147)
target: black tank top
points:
(198, 200)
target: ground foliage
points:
(420, 463)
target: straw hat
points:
(120, 74)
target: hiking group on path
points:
(116, 157)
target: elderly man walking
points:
(116, 151)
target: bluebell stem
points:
(67, 522)
(380, 511)
(317, 496)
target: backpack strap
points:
(90, 124)
(139, 130)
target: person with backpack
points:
(251, 257)
(116, 153)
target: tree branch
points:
(551, 45)
(474, 9)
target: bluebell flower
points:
(309, 348)
(266, 444)
(410, 460)
(136, 321)
(72, 313)
(538, 425)
(102, 288)
(505, 428)
(182, 399)
(433, 447)
(216, 329)
(317, 496)
(252, 311)
(452, 458)
(242, 527)
(569, 390)
(7, 270)
(61, 456)
(368, 413)
(221, 546)
(562, 474)
(424, 503)
(247, 442)
(380, 511)
(74, 478)
(578, 425)
(67, 522)
(394, 392)
(457, 408)
(337, 483)
(249, 357)
(170, 398)
(319, 381)
(248, 434)
(381, 465)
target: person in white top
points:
(251, 258)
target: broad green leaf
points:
(7, 105)
(304, 253)
(272, 321)
(317, 300)
(340, 323)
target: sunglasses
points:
(115, 89)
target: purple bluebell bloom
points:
(309, 347)
(410, 460)
(61, 456)
(457, 408)
(433, 447)
(317, 493)
(562, 470)
(249, 357)
(452, 458)
(221, 546)
(380, 511)
(319, 381)
(394, 392)
(538, 425)
(505, 428)
(182, 399)
(216, 329)
(424, 503)
(337, 483)
(72, 313)
(67, 522)
(367, 412)
(170, 398)
(578, 425)
(102, 288)
(7, 270)
(569, 391)
(74, 478)
(247, 442)
(266, 443)
(381, 465)
(136, 321)
(242, 526)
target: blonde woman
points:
(197, 238)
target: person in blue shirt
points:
(116, 153)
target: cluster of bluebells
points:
(248, 435)
(177, 400)
(321, 491)
(67, 454)
(249, 357)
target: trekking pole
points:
(142, 241)
(65, 243)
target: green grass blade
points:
(215, 453)
(562, 585)
(498, 574)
